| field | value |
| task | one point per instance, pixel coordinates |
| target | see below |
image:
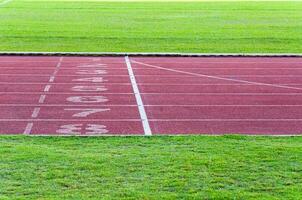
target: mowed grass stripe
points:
(195, 167)
(205, 27)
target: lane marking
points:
(51, 79)
(54, 61)
(139, 68)
(217, 77)
(160, 61)
(42, 98)
(47, 87)
(223, 62)
(153, 84)
(28, 128)
(147, 84)
(157, 93)
(78, 93)
(168, 76)
(153, 120)
(140, 104)
(150, 105)
(63, 83)
(69, 120)
(35, 112)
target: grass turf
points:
(228, 167)
(94, 26)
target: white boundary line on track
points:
(140, 104)
(218, 77)
(160, 93)
(145, 84)
(28, 128)
(160, 76)
(134, 105)
(152, 120)
(37, 109)
(151, 54)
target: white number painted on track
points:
(91, 79)
(70, 129)
(76, 129)
(91, 72)
(92, 66)
(86, 112)
(96, 129)
(87, 99)
(89, 88)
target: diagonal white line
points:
(138, 98)
(28, 128)
(217, 77)
(35, 112)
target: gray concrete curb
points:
(151, 54)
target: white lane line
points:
(140, 104)
(43, 83)
(42, 98)
(68, 120)
(43, 75)
(180, 68)
(160, 61)
(47, 88)
(51, 79)
(54, 62)
(150, 105)
(79, 93)
(223, 62)
(28, 128)
(35, 112)
(160, 93)
(57, 67)
(154, 120)
(218, 78)
(5, 2)
(228, 120)
(147, 84)
(158, 75)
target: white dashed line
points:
(42, 98)
(28, 128)
(35, 112)
(47, 87)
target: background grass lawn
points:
(207, 27)
(195, 167)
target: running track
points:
(150, 95)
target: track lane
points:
(99, 88)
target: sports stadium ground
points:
(163, 167)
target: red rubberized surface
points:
(95, 96)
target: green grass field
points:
(199, 27)
(193, 167)
(229, 167)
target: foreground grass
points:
(141, 26)
(233, 167)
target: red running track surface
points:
(150, 95)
